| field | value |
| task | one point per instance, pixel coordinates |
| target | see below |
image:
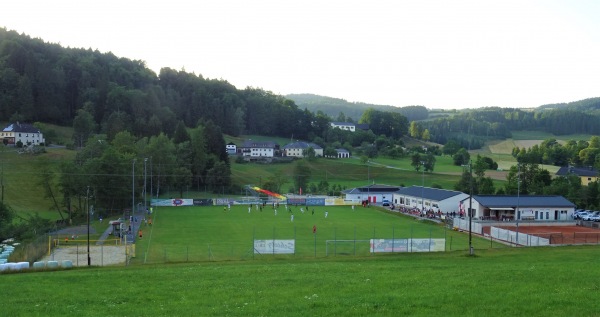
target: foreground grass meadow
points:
(497, 281)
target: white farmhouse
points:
(25, 133)
(297, 149)
(259, 148)
(348, 126)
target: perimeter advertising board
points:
(274, 246)
(407, 245)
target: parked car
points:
(386, 203)
(595, 218)
(579, 214)
(587, 217)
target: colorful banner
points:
(407, 245)
(274, 246)
(264, 191)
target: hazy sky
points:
(439, 54)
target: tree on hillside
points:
(302, 174)
(47, 182)
(417, 161)
(181, 134)
(415, 130)
(309, 154)
(451, 147)
(6, 219)
(391, 124)
(425, 136)
(219, 176)
(568, 186)
(529, 178)
(464, 184)
(199, 155)
(162, 151)
(181, 179)
(83, 127)
(461, 157)
(429, 162)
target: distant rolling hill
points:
(334, 106)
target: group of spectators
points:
(427, 213)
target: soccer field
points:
(217, 233)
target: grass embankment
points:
(501, 282)
(21, 180)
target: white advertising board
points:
(274, 246)
(408, 245)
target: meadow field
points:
(544, 281)
(198, 261)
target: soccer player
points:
(292, 218)
(326, 214)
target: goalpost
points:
(346, 247)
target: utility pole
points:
(2, 181)
(423, 187)
(471, 251)
(517, 213)
(145, 206)
(132, 188)
(151, 189)
(87, 199)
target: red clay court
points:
(558, 234)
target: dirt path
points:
(100, 255)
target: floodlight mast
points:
(517, 213)
(422, 187)
(471, 250)
(470, 165)
(87, 201)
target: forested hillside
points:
(591, 104)
(48, 83)
(171, 123)
(472, 128)
(342, 110)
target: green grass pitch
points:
(217, 233)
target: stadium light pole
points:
(145, 205)
(368, 182)
(132, 193)
(423, 187)
(151, 175)
(471, 251)
(470, 165)
(87, 199)
(517, 214)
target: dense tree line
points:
(528, 179)
(471, 128)
(573, 153)
(114, 171)
(41, 82)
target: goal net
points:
(346, 247)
